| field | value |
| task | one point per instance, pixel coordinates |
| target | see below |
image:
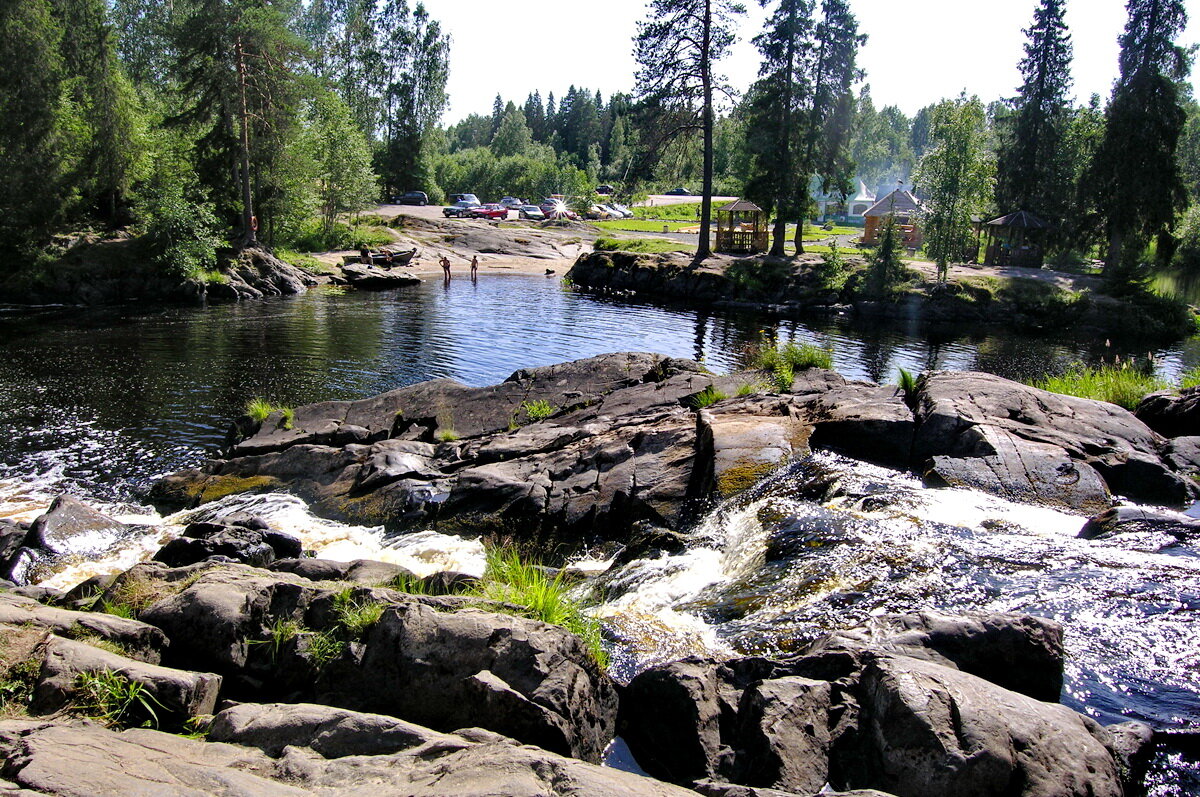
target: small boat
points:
(381, 258)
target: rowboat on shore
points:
(382, 258)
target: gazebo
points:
(1015, 240)
(742, 228)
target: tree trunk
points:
(249, 235)
(1116, 242)
(779, 234)
(703, 249)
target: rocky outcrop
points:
(898, 705)
(300, 750)
(1170, 413)
(435, 661)
(377, 278)
(246, 539)
(139, 640)
(1134, 519)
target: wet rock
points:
(377, 278)
(1183, 454)
(648, 541)
(12, 539)
(71, 526)
(82, 760)
(1133, 748)
(857, 418)
(253, 546)
(784, 734)
(1133, 519)
(140, 640)
(670, 718)
(928, 729)
(176, 695)
(1170, 413)
(1015, 651)
(745, 439)
(1013, 440)
(359, 571)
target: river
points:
(99, 402)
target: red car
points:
(488, 212)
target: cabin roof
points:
(899, 201)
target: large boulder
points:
(1170, 413)
(173, 696)
(1015, 651)
(927, 729)
(253, 543)
(84, 760)
(979, 430)
(1135, 519)
(784, 734)
(70, 526)
(139, 640)
(377, 278)
(670, 718)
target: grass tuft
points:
(799, 356)
(707, 397)
(1190, 378)
(537, 410)
(115, 700)
(1123, 385)
(355, 616)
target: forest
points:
(201, 125)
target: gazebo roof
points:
(1022, 218)
(899, 201)
(741, 206)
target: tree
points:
(1032, 170)
(1134, 179)
(886, 269)
(956, 176)
(514, 136)
(676, 50)
(345, 181)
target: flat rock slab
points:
(377, 278)
(142, 640)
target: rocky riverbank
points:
(1024, 299)
(252, 681)
(595, 449)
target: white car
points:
(511, 202)
(618, 212)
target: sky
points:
(917, 52)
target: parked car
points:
(678, 192)
(459, 209)
(624, 211)
(413, 198)
(487, 212)
(606, 190)
(616, 211)
(512, 203)
(453, 198)
(532, 212)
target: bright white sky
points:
(918, 51)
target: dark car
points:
(606, 190)
(678, 192)
(487, 212)
(459, 209)
(413, 198)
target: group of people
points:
(445, 263)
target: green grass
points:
(707, 397)
(797, 355)
(407, 583)
(1189, 378)
(306, 262)
(325, 647)
(747, 389)
(115, 700)
(510, 579)
(355, 616)
(537, 410)
(282, 632)
(259, 409)
(683, 211)
(447, 436)
(1123, 385)
(643, 245)
(643, 225)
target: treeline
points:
(202, 122)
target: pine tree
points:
(1134, 180)
(1032, 172)
(886, 269)
(677, 49)
(956, 176)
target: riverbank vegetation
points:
(1124, 384)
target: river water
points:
(99, 402)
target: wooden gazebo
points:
(742, 227)
(1016, 240)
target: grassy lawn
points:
(642, 225)
(646, 245)
(685, 211)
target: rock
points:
(745, 439)
(856, 418)
(447, 583)
(784, 734)
(70, 526)
(1170, 413)
(12, 539)
(140, 640)
(670, 718)
(1009, 439)
(927, 729)
(1133, 748)
(1132, 519)
(1183, 454)
(710, 788)
(83, 760)
(252, 546)
(377, 278)
(175, 695)
(360, 571)
(1015, 651)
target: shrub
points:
(706, 397)
(1123, 385)
(830, 270)
(798, 356)
(1189, 378)
(537, 410)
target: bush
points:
(830, 271)
(1187, 253)
(179, 233)
(537, 410)
(797, 356)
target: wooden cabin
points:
(907, 211)
(742, 228)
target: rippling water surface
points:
(99, 402)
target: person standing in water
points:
(474, 267)
(445, 261)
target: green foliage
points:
(796, 355)
(325, 647)
(115, 700)
(341, 153)
(447, 435)
(830, 270)
(887, 271)
(746, 389)
(179, 231)
(1189, 378)
(260, 409)
(706, 397)
(17, 684)
(908, 385)
(684, 211)
(509, 579)
(407, 583)
(537, 410)
(281, 631)
(355, 615)
(1187, 253)
(1123, 385)
(642, 245)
